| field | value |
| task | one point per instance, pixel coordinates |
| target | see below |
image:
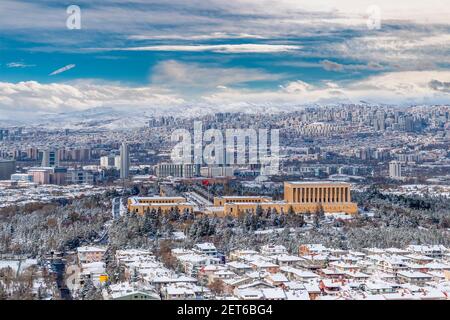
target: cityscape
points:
(159, 162)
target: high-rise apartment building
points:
(117, 162)
(107, 161)
(50, 158)
(395, 170)
(32, 153)
(124, 161)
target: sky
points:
(178, 56)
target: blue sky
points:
(169, 56)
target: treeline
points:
(404, 210)
(38, 228)
(24, 286)
(148, 230)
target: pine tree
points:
(259, 210)
(291, 210)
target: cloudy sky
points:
(171, 56)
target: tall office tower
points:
(379, 121)
(395, 169)
(50, 158)
(409, 124)
(124, 161)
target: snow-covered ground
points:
(432, 190)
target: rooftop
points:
(317, 183)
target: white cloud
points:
(19, 65)
(63, 69)
(392, 88)
(407, 84)
(176, 75)
(297, 87)
(402, 50)
(414, 34)
(339, 67)
(211, 36)
(331, 65)
(32, 98)
(439, 85)
(223, 48)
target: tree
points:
(90, 292)
(291, 210)
(259, 210)
(3, 292)
(166, 255)
(217, 287)
(174, 214)
(319, 215)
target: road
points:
(116, 208)
(198, 199)
(58, 266)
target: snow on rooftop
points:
(414, 274)
(90, 249)
(205, 246)
(317, 183)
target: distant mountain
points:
(101, 118)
